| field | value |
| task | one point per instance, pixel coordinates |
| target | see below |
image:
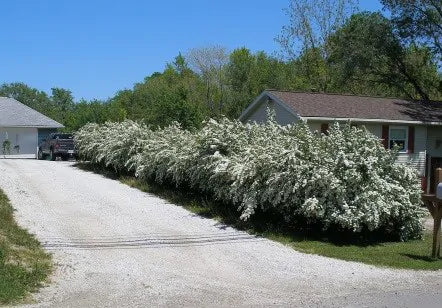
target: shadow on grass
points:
(420, 257)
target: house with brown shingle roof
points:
(415, 126)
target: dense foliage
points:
(418, 21)
(343, 181)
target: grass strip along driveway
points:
(23, 263)
(413, 254)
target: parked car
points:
(57, 145)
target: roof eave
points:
(367, 120)
(32, 126)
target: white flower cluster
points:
(343, 180)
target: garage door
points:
(23, 140)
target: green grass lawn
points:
(407, 255)
(24, 266)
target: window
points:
(399, 136)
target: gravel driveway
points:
(115, 246)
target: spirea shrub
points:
(345, 180)
(112, 144)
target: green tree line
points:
(337, 50)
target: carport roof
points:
(15, 114)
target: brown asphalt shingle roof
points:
(363, 107)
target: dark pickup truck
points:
(57, 145)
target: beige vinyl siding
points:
(417, 160)
(420, 138)
(375, 129)
(315, 126)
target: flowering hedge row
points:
(343, 180)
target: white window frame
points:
(405, 150)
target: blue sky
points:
(95, 48)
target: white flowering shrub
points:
(112, 144)
(344, 180)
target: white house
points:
(414, 125)
(23, 127)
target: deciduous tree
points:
(366, 49)
(418, 22)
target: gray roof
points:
(15, 114)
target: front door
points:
(436, 162)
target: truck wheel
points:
(64, 158)
(52, 156)
(40, 154)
